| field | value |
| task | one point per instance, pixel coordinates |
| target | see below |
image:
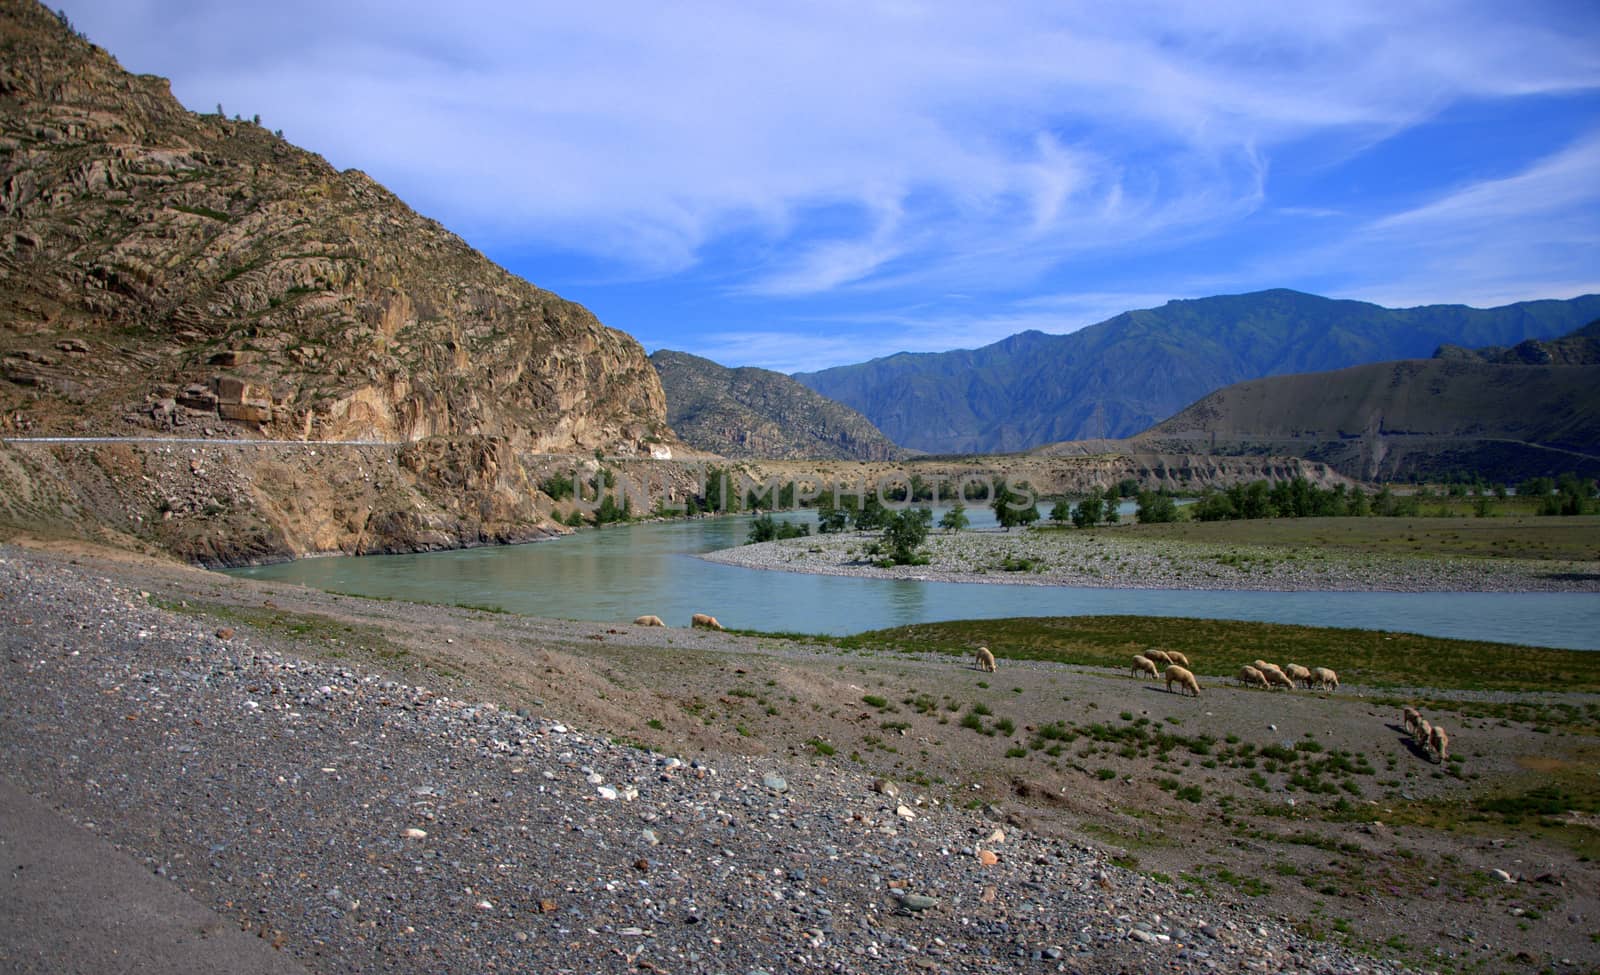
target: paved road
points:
(206, 441)
(72, 903)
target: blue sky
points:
(796, 186)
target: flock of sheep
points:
(1429, 737)
(1264, 674)
(698, 621)
(1177, 669)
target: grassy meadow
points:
(1218, 648)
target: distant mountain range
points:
(1125, 374)
(757, 413)
(1504, 413)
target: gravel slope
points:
(364, 823)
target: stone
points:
(775, 782)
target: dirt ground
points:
(1315, 807)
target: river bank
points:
(1122, 559)
(390, 786)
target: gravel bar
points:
(363, 824)
(1099, 561)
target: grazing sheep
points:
(1325, 678)
(1299, 674)
(1439, 741)
(1178, 675)
(1143, 664)
(1178, 658)
(648, 621)
(985, 660)
(1277, 678)
(1160, 657)
(705, 621)
(1250, 675)
(1411, 717)
(1424, 733)
(1269, 670)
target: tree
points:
(955, 519)
(831, 519)
(873, 515)
(1358, 506)
(1215, 506)
(1156, 507)
(1090, 510)
(767, 528)
(1062, 512)
(904, 532)
(1012, 508)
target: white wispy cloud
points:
(1001, 138)
(1535, 233)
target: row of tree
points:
(1299, 498)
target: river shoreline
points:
(1103, 561)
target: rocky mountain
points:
(757, 413)
(1488, 413)
(163, 270)
(1121, 376)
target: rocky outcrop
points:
(757, 413)
(163, 270)
(222, 504)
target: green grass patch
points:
(1519, 536)
(1220, 647)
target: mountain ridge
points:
(1123, 375)
(750, 413)
(1506, 414)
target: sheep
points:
(1143, 664)
(705, 621)
(648, 621)
(1325, 678)
(1178, 675)
(985, 660)
(1299, 674)
(1178, 658)
(1250, 675)
(1269, 670)
(1160, 657)
(1411, 718)
(1439, 741)
(1424, 734)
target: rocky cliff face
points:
(162, 270)
(757, 413)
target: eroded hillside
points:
(163, 270)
